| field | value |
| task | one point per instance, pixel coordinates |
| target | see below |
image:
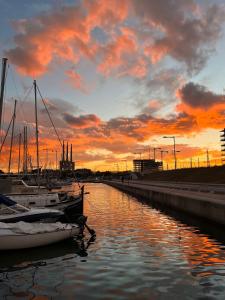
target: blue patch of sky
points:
(100, 35)
(213, 74)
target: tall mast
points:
(56, 159)
(12, 135)
(67, 149)
(63, 152)
(3, 77)
(36, 122)
(71, 152)
(19, 153)
(25, 150)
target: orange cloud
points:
(64, 33)
(76, 80)
(113, 53)
(82, 121)
(206, 107)
(162, 28)
(198, 110)
(156, 52)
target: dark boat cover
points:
(6, 200)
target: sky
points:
(116, 77)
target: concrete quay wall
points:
(197, 204)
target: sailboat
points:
(12, 212)
(37, 196)
(28, 235)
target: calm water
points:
(139, 253)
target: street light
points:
(162, 151)
(177, 151)
(154, 151)
(149, 152)
(138, 153)
(125, 163)
(117, 166)
(174, 149)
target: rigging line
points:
(14, 81)
(49, 116)
(27, 93)
(6, 134)
(12, 73)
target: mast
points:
(3, 77)
(63, 154)
(12, 135)
(67, 149)
(36, 122)
(71, 152)
(56, 159)
(25, 150)
(19, 154)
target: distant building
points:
(222, 140)
(146, 166)
(67, 164)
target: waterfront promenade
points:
(203, 200)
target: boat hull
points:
(48, 200)
(25, 241)
(31, 218)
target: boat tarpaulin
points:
(35, 228)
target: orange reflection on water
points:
(121, 214)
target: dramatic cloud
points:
(64, 33)
(198, 96)
(185, 31)
(75, 80)
(120, 136)
(165, 82)
(81, 121)
(206, 107)
(118, 39)
(181, 29)
(116, 53)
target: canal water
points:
(139, 253)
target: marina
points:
(112, 150)
(139, 252)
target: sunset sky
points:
(117, 75)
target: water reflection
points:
(21, 259)
(140, 253)
(20, 271)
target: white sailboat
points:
(12, 212)
(23, 235)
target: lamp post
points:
(138, 153)
(117, 166)
(125, 163)
(154, 151)
(149, 152)
(162, 151)
(174, 149)
(207, 158)
(177, 151)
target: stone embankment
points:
(201, 200)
